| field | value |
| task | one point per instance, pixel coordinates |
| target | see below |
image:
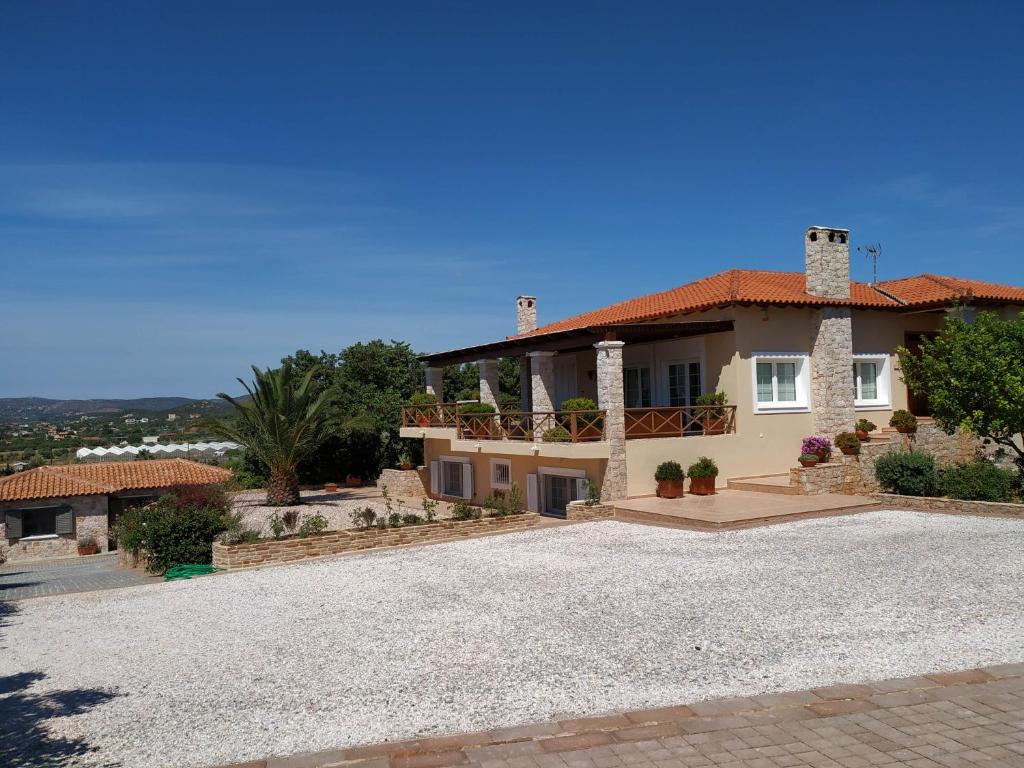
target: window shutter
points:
(65, 521)
(435, 477)
(532, 500)
(582, 486)
(14, 524)
(467, 481)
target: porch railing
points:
(532, 426)
(680, 421)
(434, 415)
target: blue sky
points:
(187, 188)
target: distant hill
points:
(31, 409)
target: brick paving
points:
(966, 719)
(22, 580)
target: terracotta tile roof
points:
(106, 477)
(940, 289)
(741, 286)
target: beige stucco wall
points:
(521, 466)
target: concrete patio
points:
(736, 509)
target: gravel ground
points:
(336, 507)
(511, 629)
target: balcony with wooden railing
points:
(431, 415)
(682, 421)
(532, 426)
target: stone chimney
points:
(827, 262)
(526, 314)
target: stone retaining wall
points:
(402, 483)
(235, 556)
(578, 511)
(955, 506)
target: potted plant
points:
(808, 459)
(848, 443)
(904, 421)
(819, 446)
(87, 546)
(405, 461)
(671, 480)
(862, 428)
(712, 413)
(702, 474)
(330, 487)
(478, 421)
(422, 402)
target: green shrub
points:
(363, 518)
(703, 467)
(423, 398)
(174, 530)
(411, 518)
(903, 420)
(476, 408)
(462, 510)
(669, 470)
(556, 435)
(713, 399)
(277, 526)
(579, 404)
(509, 403)
(848, 442)
(977, 480)
(908, 474)
(312, 525)
(429, 509)
(237, 532)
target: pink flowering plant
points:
(819, 445)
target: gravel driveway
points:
(503, 630)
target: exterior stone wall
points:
(827, 262)
(542, 380)
(832, 371)
(90, 515)
(402, 482)
(526, 314)
(611, 398)
(488, 381)
(233, 557)
(578, 511)
(954, 506)
(947, 449)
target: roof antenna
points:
(872, 252)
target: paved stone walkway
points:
(40, 578)
(948, 720)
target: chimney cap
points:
(525, 296)
(828, 229)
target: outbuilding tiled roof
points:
(106, 477)
(747, 286)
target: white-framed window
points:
(636, 384)
(871, 381)
(780, 383)
(685, 382)
(501, 474)
(452, 476)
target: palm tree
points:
(282, 422)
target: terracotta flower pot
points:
(671, 489)
(823, 457)
(406, 467)
(88, 549)
(850, 451)
(904, 430)
(806, 463)
(422, 420)
(702, 486)
(862, 435)
(331, 487)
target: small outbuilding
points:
(45, 512)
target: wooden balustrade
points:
(532, 426)
(432, 415)
(643, 423)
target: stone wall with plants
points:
(284, 550)
(581, 511)
(956, 506)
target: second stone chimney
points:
(526, 314)
(827, 262)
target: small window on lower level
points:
(871, 381)
(39, 521)
(501, 473)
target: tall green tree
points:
(973, 377)
(282, 422)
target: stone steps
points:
(779, 483)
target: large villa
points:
(794, 354)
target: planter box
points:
(580, 512)
(950, 506)
(235, 556)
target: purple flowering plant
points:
(819, 445)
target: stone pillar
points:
(611, 399)
(524, 383)
(488, 381)
(526, 314)
(435, 385)
(542, 380)
(827, 274)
